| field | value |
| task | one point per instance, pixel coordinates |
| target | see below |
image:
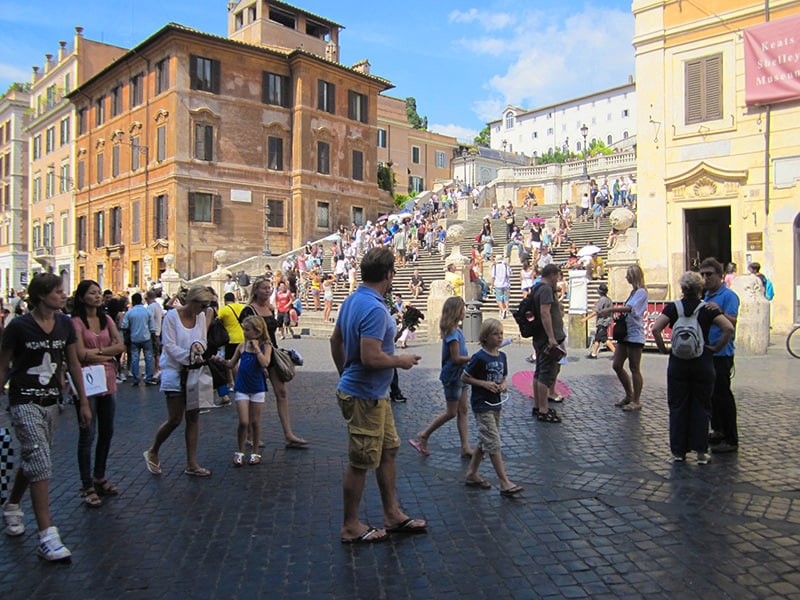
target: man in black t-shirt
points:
(548, 335)
(35, 347)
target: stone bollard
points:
(752, 326)
(578, 307)
(439, 293)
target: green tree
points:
(386, 180)
(483, 138)
(414, 119)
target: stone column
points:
(438, 294)
(752, 326)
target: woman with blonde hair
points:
(183, 343)
(261, 306)
(631, 346)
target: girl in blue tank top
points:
(250, 388)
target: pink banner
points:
(772, 61)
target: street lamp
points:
(266, 251)
(505, 143)
(584, 133)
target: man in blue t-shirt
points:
(725, 437)
(362, 347)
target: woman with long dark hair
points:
(98, 342)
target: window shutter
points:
(215, 76)
(191, 206)
(155, 217)
(217, 216)
(713, 87)
(264, 87)
(694, 98)
(194, 81)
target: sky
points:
(462, 62)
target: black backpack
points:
(525, 315)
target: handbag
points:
(282, 364)
(199, 388)
(6, 462)
(620, 331)
(217, 336)
(94, 381)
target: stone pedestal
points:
(620, 257)
(170, 279)
(752, 326)
(578, 307)
(439, 293)
(577, 332)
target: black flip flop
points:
(405, 527)
(365, 538)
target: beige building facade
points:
(14, 107)
(717, 176)
(418, 159)
(51, 135)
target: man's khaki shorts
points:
(370, 428)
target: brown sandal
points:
(90, 498)
(105, 487)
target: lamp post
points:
(464, 160)
(584, 133)
(505, 143)
(266, 251)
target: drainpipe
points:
(767, 137)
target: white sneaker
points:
(50, 546)
(13, 516)
(703, 458)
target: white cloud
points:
(13, 73)
(489, 20)
(462, 134)
(550, 58)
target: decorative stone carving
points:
(622, 219)
(704, 187)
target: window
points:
(535, 135)
(358, 216)
(81, 121)
(703, 89)
(415, 152)
(63, 137)
(99, 229)
(277, 217)
(415, 184)
(135, 273)
(115, 222)
(37, 235)
(323, 215)
(50, 183)
(441, 159)
(625, 113)
(101, 275)
(204, 142)
(81, 173)
(116, 101)
(608, 140)
(37, 187)
(99, 167)
(357, 106)
(205, 208)
(160, 217)
(64, 228)
(50, 139)
(549, 131)
(115, 161)
(358, 165)
(67, 84)
(135, 217)
(47, 234)
(136, 91)
(80, 233)
(509, 120)
(161, 143)
(239, 20)
(51, 96)
(326, 96)
(324, 158)
(135, 148)
(275, 154)
(100, 111)
(37, 147)
(162, 75)
(275, 89)
(204, 74)
(381, 138)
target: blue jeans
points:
(103, 421)
(136, 347)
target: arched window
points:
(624, 135)
(509, 120)
(579, 147)
(608, 143)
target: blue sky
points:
(462, 62)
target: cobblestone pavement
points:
(605, 514)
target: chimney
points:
(62, 50)
(78, 38)
(47, 62)
(332, 52)
(362, 67)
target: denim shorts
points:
(501, 294)
(452, 391)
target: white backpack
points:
(687, 336)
